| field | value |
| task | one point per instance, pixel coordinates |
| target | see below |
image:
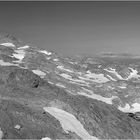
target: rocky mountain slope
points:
(44, 95)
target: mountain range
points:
(48, 96)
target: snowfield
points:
(135, 107)
(1, 134)
(24, 47)
(69, 122)
(19, 54)
(8, 44)
(39, 73)
(45, 52)
(7, 63)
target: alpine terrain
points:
(46, 96)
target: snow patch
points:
(7, 63)
(98, 78)
(122, 87)
(50, 82)
(114, 72)
(131, 109)
(1, 134)
(111, 78)
(69, 122)
(8, 44)
(46, 138)
(66, 76)
(98, 97)
(17, 126)
(24, 47)
(19, 54)
(45, 52)
(56, 60)
(39, 72)
(133, 74)
(65, 69)
(60, 85)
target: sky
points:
(72, 28)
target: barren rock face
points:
(46, 96)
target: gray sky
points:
(72, 28)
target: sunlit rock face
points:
(44, 95)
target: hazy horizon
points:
(72, 28)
